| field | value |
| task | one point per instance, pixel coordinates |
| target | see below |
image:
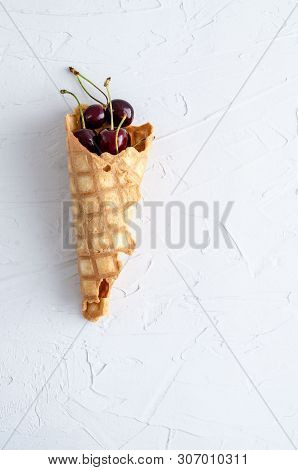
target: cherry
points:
(94, 116)
(113, 140)
(107, 139)
(121, 108)
(85, 136)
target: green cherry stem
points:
(117, 131)
(66, 92)
(79, 75)
(89, 94)
(106, 84)
(140, 141)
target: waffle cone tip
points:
(92, 311)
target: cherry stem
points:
(142, 140)
(64, 92)
(78, 74)
(117, 131)
(89, 94)
(137, 143)
(106, 84)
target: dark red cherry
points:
(106, 140)
(94, 116)
(121, 108)
(87, 138)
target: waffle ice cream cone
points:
(104, 189)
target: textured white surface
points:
(155, 373)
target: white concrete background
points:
(157, 373)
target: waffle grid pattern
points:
(94, 266)
(102, 190)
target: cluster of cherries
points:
(111, 118)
